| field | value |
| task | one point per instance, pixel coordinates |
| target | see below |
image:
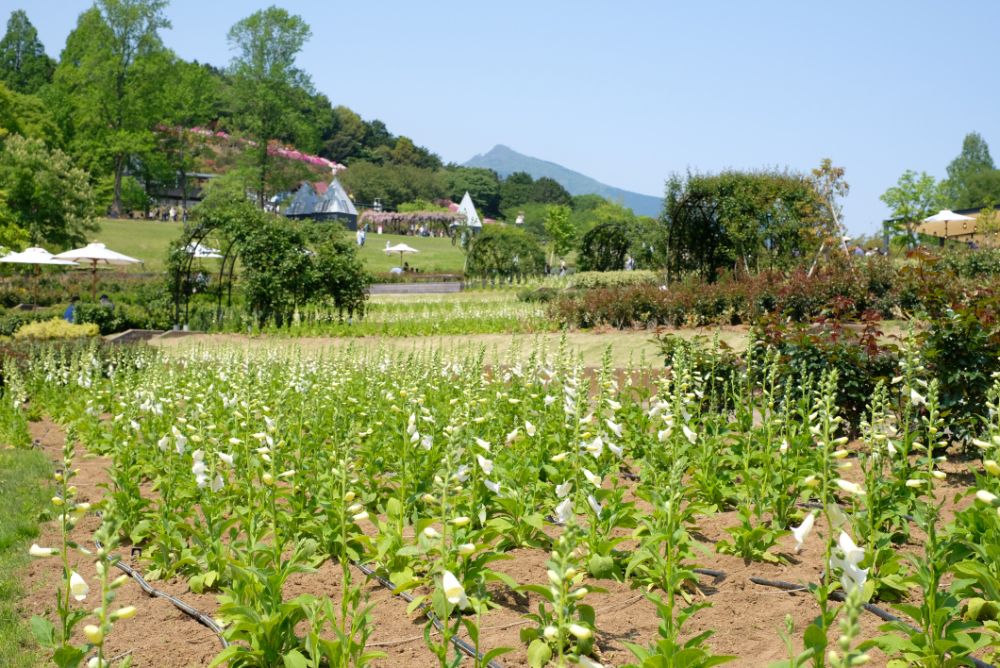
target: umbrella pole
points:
(93, 281)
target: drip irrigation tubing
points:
(198, 616)
(459, 644)
(874, 609)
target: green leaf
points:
(68, 656)
(294, 659)
(601, 566)
(44, 631)
(539, 653)
(814, 637)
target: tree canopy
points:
(24, 65)
(972, 176)
(42, 193)
(739, 220)
(264, 81)
(501, 251)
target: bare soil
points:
(746, 618)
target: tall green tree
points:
(913, 198)
(482, 185)
(549, 191)
(24, 65)
(264, 77)
(970, 180)
(192, 96)
(516, 190)
(110, 77)
(559, 229)
(44, 194)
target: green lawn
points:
(23, 476)
(147, 240)
(437, 254)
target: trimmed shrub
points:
(588, 280)
(55, 329)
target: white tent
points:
(469, 210)
(203, 252)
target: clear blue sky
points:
(630, 92)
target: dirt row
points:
(747, 618)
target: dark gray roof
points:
(304, 202)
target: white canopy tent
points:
(469, 210)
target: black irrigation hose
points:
(874, 609)
(460, 644)
(199, 617)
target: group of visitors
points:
(69, 315)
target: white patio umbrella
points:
(36, 256)
(95, 255)
(400, 248)
(947, 216)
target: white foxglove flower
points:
(485, 445)
(218, 483)
(564, 511)
(594, 505)
(587, 662)
(783, 448)
(690, 434)
(581, 632)
(850, 487)
(614, 426)
(986, 496)
(595, 447)
(617, 450)
(431, 532)
(548, 400)
(426, 442)
(180, 443)
(163, 443)
(837, 516)
(465, 549)
(37, 550)
(563, 489)
(78, 587)
(614, 405)
(453, 590)
(663, 434)
(485, 464)
(462, 474)
(529, 428)
(847, 558)
(512, 435)
(591, 478)
(916, 398)
(492, 486)
(227, 458)
(802, 531)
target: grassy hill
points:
(147, 240)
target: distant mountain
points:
(505, 161)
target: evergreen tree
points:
(970, 180)
(24, 66)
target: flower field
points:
(362, 507)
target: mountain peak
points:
(505, 161)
